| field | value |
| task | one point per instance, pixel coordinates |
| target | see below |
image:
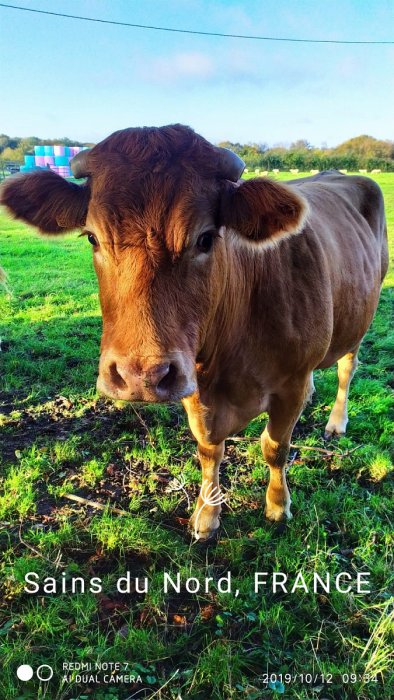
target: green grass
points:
(59, 438)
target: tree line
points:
(361, 152)
(15, 148)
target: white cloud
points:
(228, 65)
(178, 67)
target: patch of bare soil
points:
(56, 419)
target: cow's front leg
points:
(284, 411)
(206, 517)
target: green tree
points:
(366, 147)
(26, 145)
(7, 142)
(13, 154)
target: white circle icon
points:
(24, 672)
(44, 675)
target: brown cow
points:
(220, 293)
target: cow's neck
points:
(228, 329)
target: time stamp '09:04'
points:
(312, 678)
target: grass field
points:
(59, 439)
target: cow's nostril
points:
(116, 379)
(167, 382)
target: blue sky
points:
(62, 77)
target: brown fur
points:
(46, 200)
(235, 331)
(267, 217)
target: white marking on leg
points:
(311, 388)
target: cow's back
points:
(359, 192)
(347, 218)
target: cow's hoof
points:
(330, 434)
(206, 537)
(207, 526)
(336, 426)
(277, 514)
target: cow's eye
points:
(92, 239)
(205, 241)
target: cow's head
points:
(157, 207)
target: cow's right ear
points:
(46, 200)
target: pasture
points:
(59, 441)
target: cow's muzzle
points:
(169, 378)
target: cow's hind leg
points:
(338, 419)
(311, 388)
(284, 411)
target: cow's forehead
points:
(161, 206)
(153, 180)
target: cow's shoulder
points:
(360, 192)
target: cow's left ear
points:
(261, 210)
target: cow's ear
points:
(46, 200)
(261, 210)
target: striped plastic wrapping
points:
(57, 158)
(62, 170)
(61, 160)
(28, 168)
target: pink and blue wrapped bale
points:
(57, 158)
